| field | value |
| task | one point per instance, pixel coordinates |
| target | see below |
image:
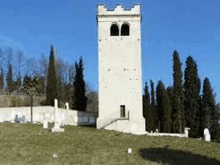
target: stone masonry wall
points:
(41, 113)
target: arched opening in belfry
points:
(114, 30)
(125, 30)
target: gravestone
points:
(187, 131)
(207, 136)
(57, 123)
(129, 150)
(67, 105)
(45, 124)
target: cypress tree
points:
(191, 87)
(169, 93)
(52, 92)
(166, 119)
(79, 97)
(209, 111)
(178, 98)
(2, 79)
(218, 110)
(9, 79)
(146, 109)
(152, 105)
(160, 96)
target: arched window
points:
(125, 30)
(114, 30)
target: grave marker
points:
(67, 105)
(45, 124)
(207, 136)
(57, 123)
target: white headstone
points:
(45, 125)
(207, 136)
(187, 131)
(129, 150)
(67, 105)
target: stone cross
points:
(56, 114)
(57, 120)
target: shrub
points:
(13, 102)
(43, 102)
(27, 101)
(18, 102)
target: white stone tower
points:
(119, 69)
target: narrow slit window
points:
(122, 107)
(125, 30)
(114, 30)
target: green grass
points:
(21, 143)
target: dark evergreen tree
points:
(209, 111)
(152, 105)
(2, 80)
(52, 92)
(178, 97)
(200, 118)
(218, 110)
(169, 93)
(79, 98)
(146, 110)
(192, 87)
(160, 97)
(166, 119)
(9, 79)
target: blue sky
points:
(190, 27)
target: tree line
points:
(54, 78)
(181, 105)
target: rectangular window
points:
(122, 110)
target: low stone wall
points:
(41, 113)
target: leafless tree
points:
(9, 58)
(43, 65)
(20, 68)
(72, 72)
(31, 67)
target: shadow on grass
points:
(90, 126)
(169, 156)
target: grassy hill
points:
(25, 143)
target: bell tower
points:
(119, 69)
